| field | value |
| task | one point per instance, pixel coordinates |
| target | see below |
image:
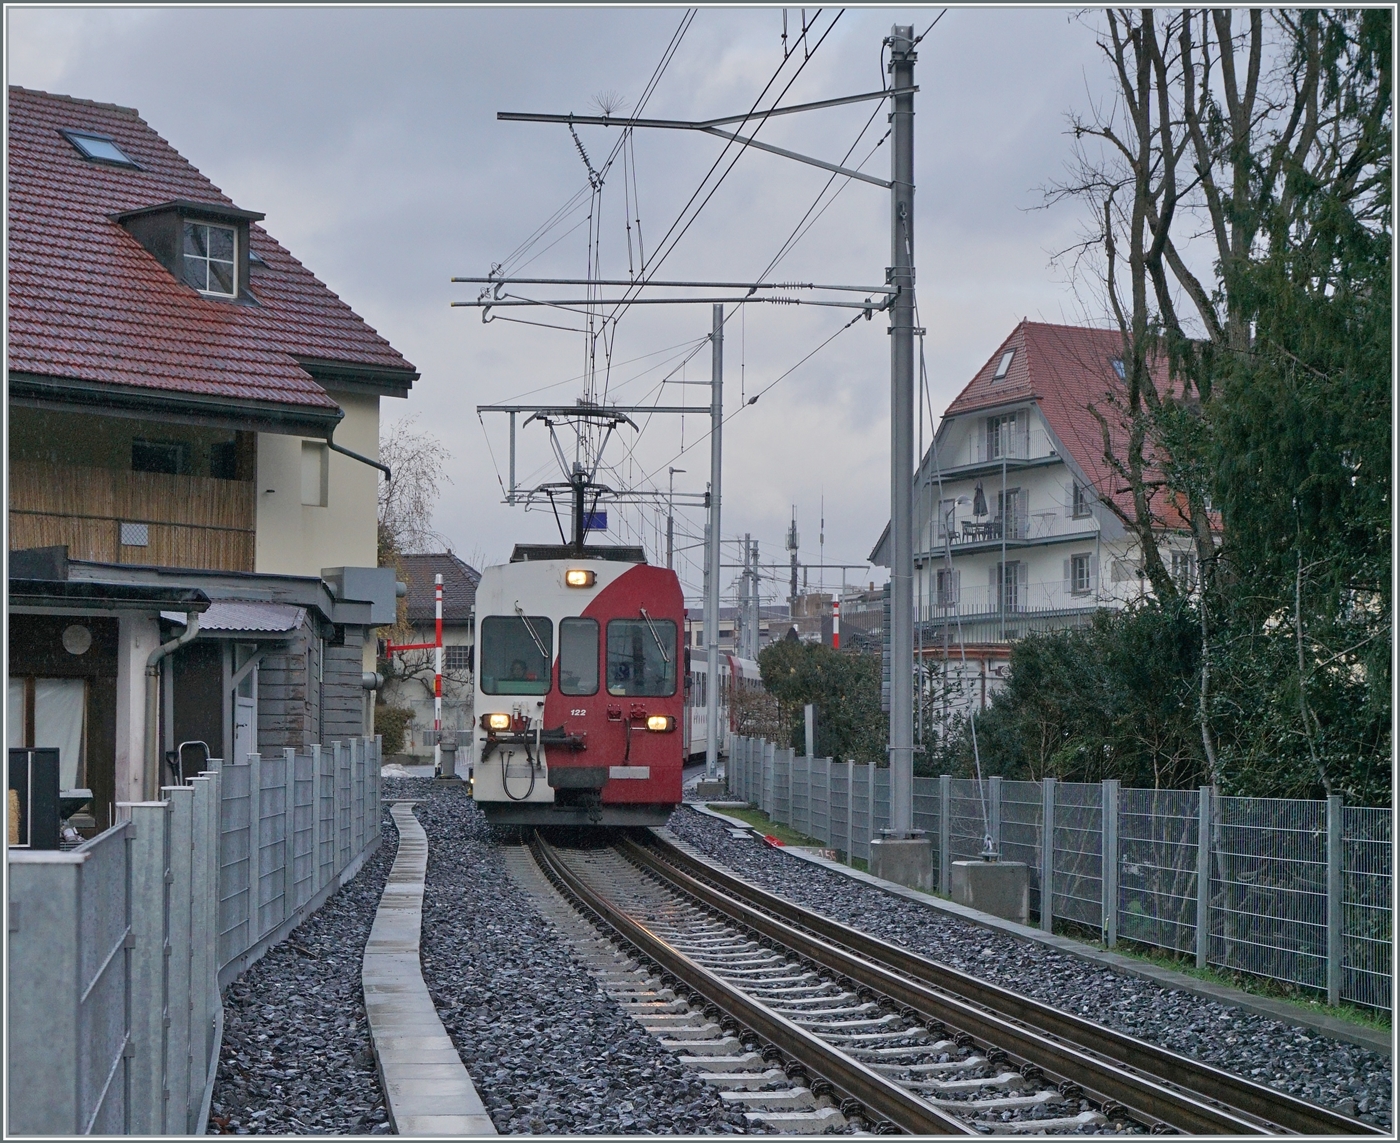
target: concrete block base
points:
(903, 860)
(710, 790)
(1001, 888)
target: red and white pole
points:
(835, 624)
(437, 678)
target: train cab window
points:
(641, 657)
(578, 656)
(516, 654)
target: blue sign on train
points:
(595, 522)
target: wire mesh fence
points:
(1158, 854)
(1268, 888)
(1268, 908)
(1366, 906)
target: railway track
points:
(893, 1040)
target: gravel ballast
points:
(296, 1056)
(548, 1051)
(1352, 1079)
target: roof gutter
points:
(152, 782)
(384, 468)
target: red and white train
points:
(733, 672)
(580, 688)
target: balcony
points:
(988, 602)
(982, 448)
(185, 521)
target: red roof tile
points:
(1066, 370)
(88, 302)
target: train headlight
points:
(580, 577)
(495, 722)
(661, 723)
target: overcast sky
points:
(369, 138)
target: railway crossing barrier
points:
(1293, 890)
(119, 948)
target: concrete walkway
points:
(427, 1089)
(1377, 1039)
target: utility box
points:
(377, 586)
(1001, 888)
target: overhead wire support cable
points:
(513, 281)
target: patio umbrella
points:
(979, 501)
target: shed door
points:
(245, 727)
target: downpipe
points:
(151, 784)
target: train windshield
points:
(641, 657)
(578, 656)
(516, 654)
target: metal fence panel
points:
(235, 847)
(1157, 861)
(1366, 915)
(819, 800)
(882, 798)
(926, 807)
(1077, 894)
(839, 785)
(782, 786)
(104, 909)
(272, 847)
(1022, 808)
(303, 830)
(860, 811)
(968, 819)
(1268, 888)
(800, 777)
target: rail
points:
(1158, 1086)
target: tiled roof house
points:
(193, 416)
(1012, 529)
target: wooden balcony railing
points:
(191, 521)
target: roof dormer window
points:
(99, 148)
(1003, 365)
(210, 258)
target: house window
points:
(1008, 585)
(209, 258)
(1004, 365)
(1118, 369)
(457, 658)
(50, 713)
(1079, 501)
(1004, 437)
(315, 463)
(223, 460)
(946, 523)
(1011, 513)
(99, 148)
(1184, 570)
(171, 457)
(946, 587)
(1081, 574)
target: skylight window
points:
(1118, 368)
(99, 148)
(1003, 365)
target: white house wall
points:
(294, 538)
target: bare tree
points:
(407, 499)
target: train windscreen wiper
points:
(652, 627)
(530, 627)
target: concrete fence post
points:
(994, 811)
(181, 1005)
(945, 830)
(1203, 877)
(1109, 866)
(255, 929)
(1335, 948)
(1047, 855)
(289, 833)
(150, 994)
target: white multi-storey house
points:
(1013, 532)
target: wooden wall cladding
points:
(193, 521)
